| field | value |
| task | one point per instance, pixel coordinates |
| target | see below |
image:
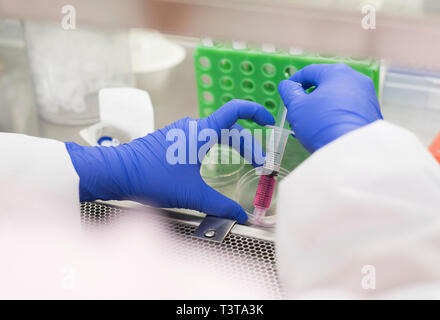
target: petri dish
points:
(221, 168)
(245, 194)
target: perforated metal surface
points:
(96, 214)
(245, 258)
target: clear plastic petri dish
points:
(222, 168)
(245, 195)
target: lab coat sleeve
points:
(38, 183)
(361, 218)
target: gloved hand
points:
(142, 170)
(343, 100)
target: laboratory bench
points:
(409, 100)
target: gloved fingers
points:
(245, 143)
(310, 75)
(236, 109)
(290, 91)
(216, 204)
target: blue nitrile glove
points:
(141, 170)
(344, 100)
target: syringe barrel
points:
(276, 141)
(266, 187)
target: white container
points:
(126, 114)
(69, 67)
(153, 57)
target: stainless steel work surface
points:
(250, 259)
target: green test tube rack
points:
(224, 72)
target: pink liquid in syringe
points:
(265, 190)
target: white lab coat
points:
(38, 183)
(359, 218)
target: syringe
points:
(274, 154)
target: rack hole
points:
(226, 82)
(227, 98)
(205, 63)
(225, 65)
(247, 67)
(247, 85)
(206, 80)
(270, 104)
(269, 69)
(269, 87)
(289, 71)
(208, 97)
(249, 98)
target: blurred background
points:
(50, 77)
